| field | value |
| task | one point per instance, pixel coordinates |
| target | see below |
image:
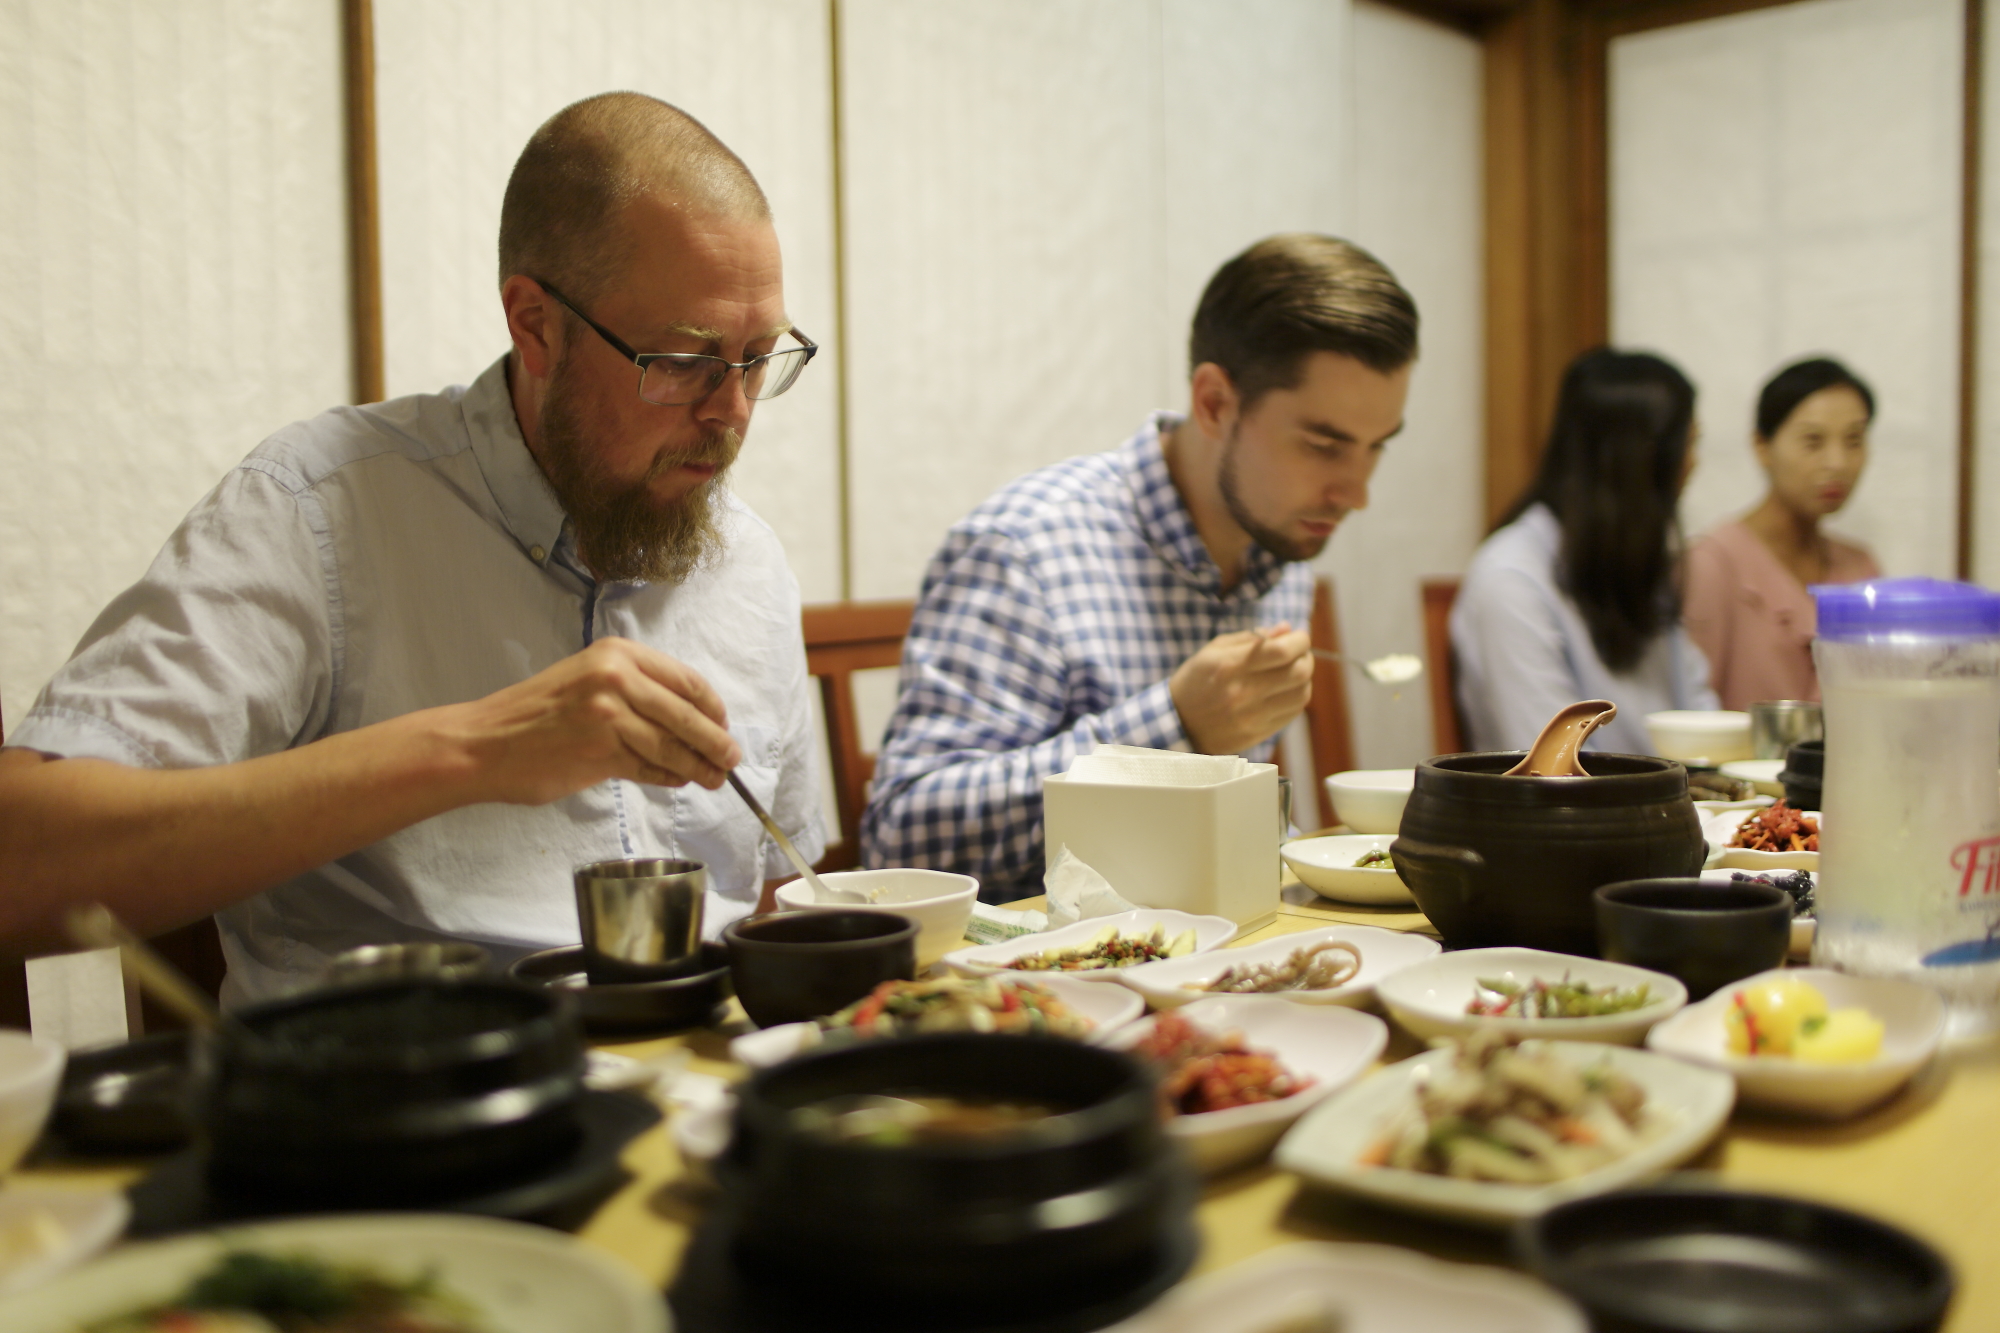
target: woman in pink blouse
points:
(1745, 600)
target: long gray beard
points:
(622, 532)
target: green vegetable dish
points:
(1496, 997)
(248, 1292)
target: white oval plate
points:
(90, 1219)
(1383, 952)
(1370, 1288)
(1913, 1023)
(1331, 1046)
(1761, 774)
(1430, 998)
(1210, 932)
(1108, 1009)
(518, 1278)
(1325, 1147)
(1326, 866)
(1723, 826)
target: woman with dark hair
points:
(1573, 597)
(1747, 604)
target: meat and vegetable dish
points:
(1312, 967)
(1202, 1072)
(1109, 949)
(250, 1292)
(1516, 1113)
(958, 1004)
(1497, 997)
(1778, 828)
(1377, 860)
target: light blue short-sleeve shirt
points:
(373, 561)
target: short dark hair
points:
(1291, 295)
(1611, 475)
(558, 221)
(1800, 381)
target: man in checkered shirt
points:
(1148, 596)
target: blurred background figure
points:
(1746, 602)
(1573, 596)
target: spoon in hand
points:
(821, 893)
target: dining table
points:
(1923, 1161)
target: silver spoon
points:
(1390, 669)
(820, 890)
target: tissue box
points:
(1208, 849)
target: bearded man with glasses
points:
(411, 662)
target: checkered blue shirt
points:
(1050, 621)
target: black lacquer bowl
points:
(392, 1094)
(1498, 860)
(1073, 1212)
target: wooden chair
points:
(841, 639)
(1447, 732)
(1329, 725)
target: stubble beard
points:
(1277, 543)
(622, 532)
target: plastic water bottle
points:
(1910, 845)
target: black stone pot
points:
(1071, 1211)
(1497, 860)
(392, 1094)
(1804, 774)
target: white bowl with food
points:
(955, 1003)
(1700, 736)
(1358, 1289)
(502, 1277)
(1370, 800)
(1355, 959)
(1325, 1049)
(1530, 993)
(1763, 839)
(1331, 866)
(939, 902)
(1100, 948)
(1629, 1115)
(1827, 1082)
(30, 1070)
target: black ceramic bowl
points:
(1671, 1260)
(1804, 774)
(630, 1007)
(1062, 1213)
(1707, 935)
(1498, 860)
(393, 1094)
(129, 1098)
(791, 966)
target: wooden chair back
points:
(1329, 725)
(1447, 732)
(841, 639)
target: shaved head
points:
(562, 219)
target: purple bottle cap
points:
(1906, 609)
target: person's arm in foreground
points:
(982, 718)
(165, 846)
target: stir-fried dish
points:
(1376, 860)
(1497, 997)
(958, 1004)
(1778, 828)
(1109, 949)
(1516, 1113)
(1311, 967)
(249, 1292)
(1790, 1017)
(1202, 1072)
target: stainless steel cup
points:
(640, 918)
(1776, 725)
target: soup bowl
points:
(1078, 1207)
(399, 1093)
(1498, 860)
(1704, 935)
(791, 966)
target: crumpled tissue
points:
(1075, 893)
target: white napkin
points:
(1155, 768)
(1077, 892)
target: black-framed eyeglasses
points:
(674, 379)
